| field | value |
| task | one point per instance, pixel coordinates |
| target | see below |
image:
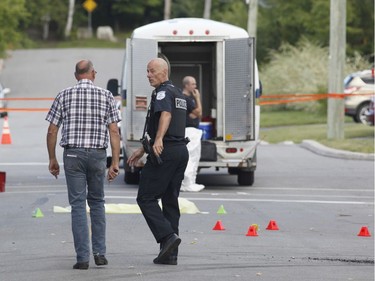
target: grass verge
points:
(298, 126)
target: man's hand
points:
(133, 159)
(54, 168)
(158, 147)
(113, 172)
(196, 94)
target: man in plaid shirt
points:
(87, 114)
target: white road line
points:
(340, 190)
(25, 164)
(261, 200)
(52, 191)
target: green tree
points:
(11, 13)
(55, 10)
(130, 14)
(289, 21)
(184, 9)
(232, 12)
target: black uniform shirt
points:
(170, 99)
(191, 105)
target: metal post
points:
(252, 17)
(89, 25)
(207, 9)
(337, 41)
(167, 9)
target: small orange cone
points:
(252, 231)
(272, 225)
(218, 226)
(5, 137)
(364, 232)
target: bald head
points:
(157, 72)
(189, 84)
(85, 70)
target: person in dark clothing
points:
(166, 129)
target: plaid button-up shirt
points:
(85, 111)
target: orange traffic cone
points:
(364, 232)
(218, 226)
(5, 137)
(252, 231)
(272, 225)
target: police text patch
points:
(180, 103)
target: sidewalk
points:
(331, 152)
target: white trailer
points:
(222, 59)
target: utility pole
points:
(252, 17)
(167, 9)
(337, 42)
(207, 9)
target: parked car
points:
(370, 112)
(3, 104)
(359, 88)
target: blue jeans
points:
(85, 173)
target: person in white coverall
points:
(193, 132)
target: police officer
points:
(166, 128)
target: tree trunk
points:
(69, 22)
(207, 9)
(167, 9)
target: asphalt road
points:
(319, 204)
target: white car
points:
(359, 88)
(3, 103)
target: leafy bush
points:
(302, 69)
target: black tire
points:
(360, 116)
(245, 177)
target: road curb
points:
(331, 152)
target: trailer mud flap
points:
(208, 151)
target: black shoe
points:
(171, 260)
(81, 265)
(100, 260)
(168, 247)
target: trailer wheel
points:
(245, 177)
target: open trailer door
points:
(138, 89)
(239, 90)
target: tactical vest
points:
(178, 122)
(176, 129)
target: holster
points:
(155, 160)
